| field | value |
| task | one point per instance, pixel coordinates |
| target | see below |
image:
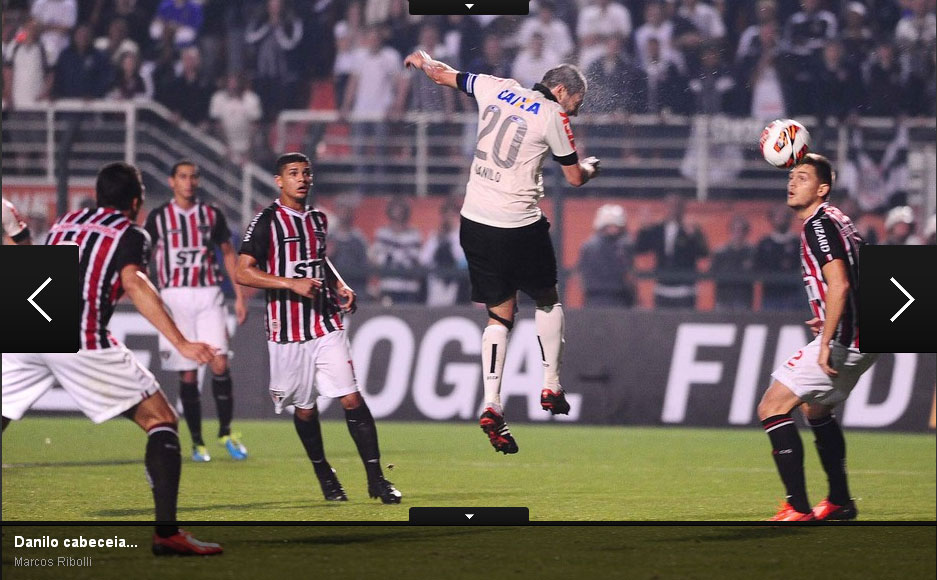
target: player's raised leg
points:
(163, 462)
(550, 323)
(831, 446)
(494, 348)
(787, 449)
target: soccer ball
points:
(784, 142)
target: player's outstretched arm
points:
(347, 298)
(145, 297)
(837, 294)
(248, 274)
(438, 71)
(580, 173)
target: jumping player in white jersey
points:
(14, 227)
(185, 233)
(104, 377)
(284, 253)
(503, 231)
(822, 374)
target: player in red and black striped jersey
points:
(103, 377)
(822, 374)
(185, 233)
(284, 253)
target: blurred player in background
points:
(14, 227)
(822, 374)
(185, 233)
(104, 377)
(505, 235)
(284, 252)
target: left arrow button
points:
(36, 306)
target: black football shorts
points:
(502, 261)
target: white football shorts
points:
(201, 316)
(802, 373)
(300, 370)
(104, 382)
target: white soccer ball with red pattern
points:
(784, 142)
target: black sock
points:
(831, 445)
(310, 434)
(192, 409)
(364, 432)
(163, 464)
(224, 401)
(788, 453)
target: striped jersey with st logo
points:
(107, 241)
(184, 243)
(829, 235)
(291, 244)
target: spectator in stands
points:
(750, 43)
(705, 19)
(805, 34)
(182, 18)
(615, 84)
(677, 248)
(116, 43)
(128, 84)
(371, 97)
(274, 33)
(190, 94)
(236, 110)
(856, 36)
(930, 230)
(713, 86)
(838, 90)
(418, 91)
(597, 21)
(546, 23)
(137, 19)
(916, 33)
(533, 60)
(82, 71)
(57, 20)
(463, 37)
(667, 90)
(447, 281)
(605, 260)
(900, 226)
(764, 90)
(732, 268)
(777, 259)
(883, 82)
(396, 252)
(492, 60)
(27, 75)
(660, 30)
(348, 248)
(348, 36)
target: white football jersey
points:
(517, 127)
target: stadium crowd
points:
(228, 64)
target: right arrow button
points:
(906, 304)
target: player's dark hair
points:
(117, 185)
(567, 75)
(822, 166)
(287, 158)
(181, 163)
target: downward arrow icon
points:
(469, 6)
(469, 516)
(908, 303)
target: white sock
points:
(494, 345)
(550, 322)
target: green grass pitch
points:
(64, 469)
